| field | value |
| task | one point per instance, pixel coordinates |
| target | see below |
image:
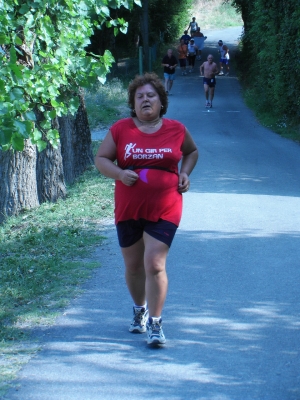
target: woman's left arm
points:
(188, 162)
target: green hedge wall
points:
(271, 54)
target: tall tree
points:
(145, 31)
(43, 67)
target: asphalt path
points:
(232, 315)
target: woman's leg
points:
(135, 272)
(155, 256)
(145, 273)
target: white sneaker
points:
(155, 333)
(221, 73)
(140, 317)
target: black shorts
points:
(211, 82)
(130, 231)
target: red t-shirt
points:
(155, 194)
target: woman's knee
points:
(134, 257)
(155, 261)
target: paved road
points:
(232, 315)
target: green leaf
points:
(52, 114)
(30, 115)
(37, 135)
(102, 79)
(24, 9)
(16, 94)
(23, 128)
(5, 136)
(18, 41)
(54, 103)
(73, 105)
(17, 69)
(53, 137)
(124, 29)
(4, 39)
(43, 54)
(17, 143)
(53, 90)
(105, 10)
(13, 55)
(4, 108)
(53, 134)
(41, 145)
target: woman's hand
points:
(183, 182)
(128, 177)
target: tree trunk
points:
(50, 175)
(29, 178)
(18, 185)
(76, 143)
(145, 32)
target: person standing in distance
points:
(169, 62)
(192, 51)
(209, 70)
(198, 34)
(193, 26)
(224, 57)
(148, 195)
(182, 56)
(186, 37)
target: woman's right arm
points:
(104, 162)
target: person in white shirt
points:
(224, 57)
(192, 51)
(193, 26)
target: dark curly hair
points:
(153, 80)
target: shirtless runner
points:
(209, 70)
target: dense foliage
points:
(270, 65)
(166, 20)
(44, 63)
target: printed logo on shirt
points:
(144, 154)
(128, 149)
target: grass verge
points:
(277, 123)
(45, 256)
(107, 103)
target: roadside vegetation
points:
(107, 103)
(268, 64)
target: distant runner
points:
(209, 70)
